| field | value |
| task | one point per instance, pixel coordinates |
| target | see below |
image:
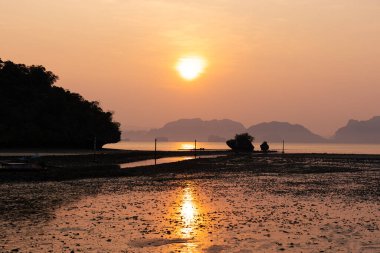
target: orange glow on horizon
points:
(186, 146)
(157, 56)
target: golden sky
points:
(313, 62)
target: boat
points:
(20, 166)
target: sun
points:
(191, 67)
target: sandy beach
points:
(235, 203)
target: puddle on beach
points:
(163, 161)
(240, 212)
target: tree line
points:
(36, 113)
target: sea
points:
(331, 148)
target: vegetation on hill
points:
(241, 143)
(264, 147)
(35, 113)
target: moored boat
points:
(8, 165)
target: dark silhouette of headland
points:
(36, 113)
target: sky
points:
(311, 62)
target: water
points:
(336, 148)
(166, 146)
(225, 212)
(162, 161)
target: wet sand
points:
(293, 203)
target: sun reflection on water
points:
(188, 214)
(189, 219)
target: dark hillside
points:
(35, 113)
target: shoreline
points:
(277, 197)
(106, 164)
(274, 195)
(5, 153)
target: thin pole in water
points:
(155, 151)
(283, 146)
(94, 148)
(195, 148)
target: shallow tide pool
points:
(234, 212)
(164, 160)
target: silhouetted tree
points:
(35, 113)
(242, 142)
(264, 147)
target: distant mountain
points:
(359, 132)
(220, 130)
(215, 138)
(277, 131)
(190, 129)
(132, 135)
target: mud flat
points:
(254, 203)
